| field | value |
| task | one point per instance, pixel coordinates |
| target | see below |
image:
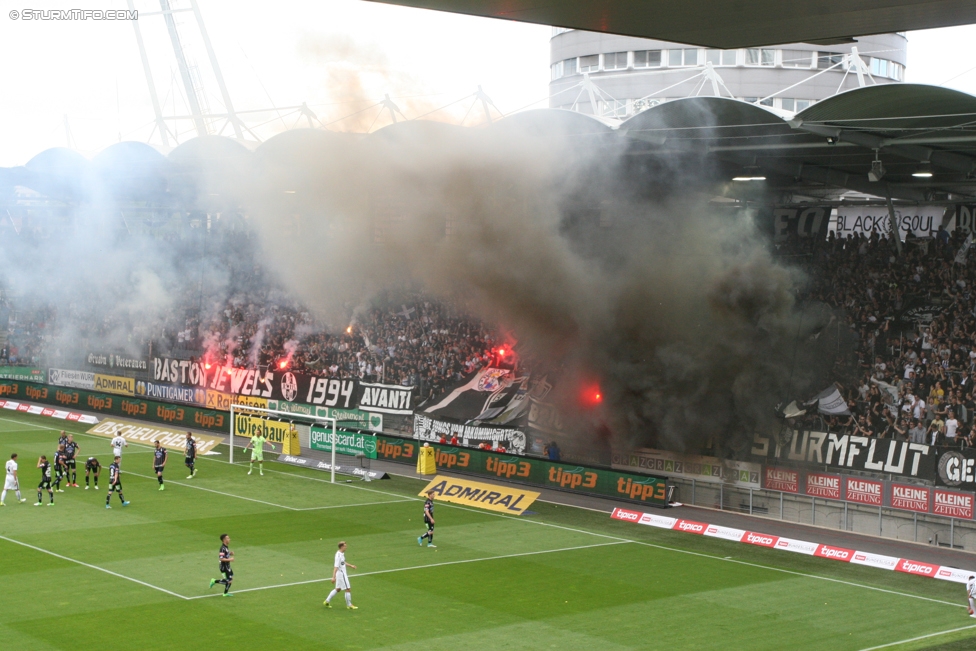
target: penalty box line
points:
(419, 567)
(647, 544)
(593, 533)
(93, 567)
(252, 499)
(210, 490)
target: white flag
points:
(831, 402)
(964, 249)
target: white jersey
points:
(117, 444)
(342, 579)
(971, 588)
(10, 483)
(951, 426)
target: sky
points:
(82, 83)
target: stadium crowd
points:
(911, 316)
(415, 341)
(914, 329)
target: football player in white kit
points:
(341, 578)
(117, 444)
(971, 594)
(11, 483)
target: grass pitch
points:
(79, 576)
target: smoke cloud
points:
(607, 270)
(675, 308)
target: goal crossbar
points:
(245, 410)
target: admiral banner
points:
(123, 386)
(708, 469)
(429, 429)
(285, 387)
(117, 361)
(60, 377)
(493, 497)
(845, 452)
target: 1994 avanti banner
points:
(285, 386)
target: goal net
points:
(282, 429)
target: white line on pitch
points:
(418, 567)
(251, 499)
(94, 567)
(600, 535)
(804, 574)
(342, 506)
(920, 637)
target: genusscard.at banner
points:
(351, 443)
(848, 452)
(286, 387)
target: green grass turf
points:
(564, 578)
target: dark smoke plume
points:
(676, 309)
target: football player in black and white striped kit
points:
(115, 483)
(190, 456)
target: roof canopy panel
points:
(891, 108)
(722, 24)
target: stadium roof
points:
(720, 23)
(912, 129)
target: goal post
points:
(263, 412)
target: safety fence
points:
(883, 521)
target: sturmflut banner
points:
(840, 452)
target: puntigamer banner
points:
(350, 443)
(106, 403)
(23, 373)
(171, 393)
(285, 386)
(605, 482)
(845, 452)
